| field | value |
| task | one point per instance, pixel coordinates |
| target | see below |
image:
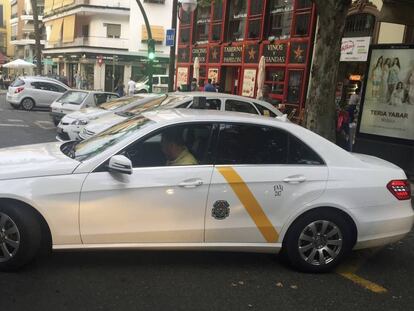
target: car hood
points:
(87, 114)
(104, 122)
(35, 161)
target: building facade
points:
(230, 36)
(4, 30)
(22, 30)
(98, 40)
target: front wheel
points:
(20, 236)
(316, 242)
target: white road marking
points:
(46, 125)
(14, 120)
(13, 125)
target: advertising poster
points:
(388, 99)
(249, 82)
(213, 74)
(182, 76)
(355, 49)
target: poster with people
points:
(388, 101)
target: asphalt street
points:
(378, 279)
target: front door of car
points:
(158, 203)
(262, 175)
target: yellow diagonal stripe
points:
(250, 203)
(364, 282)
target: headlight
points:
(80, 122)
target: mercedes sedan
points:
(206, 180)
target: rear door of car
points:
(40, 93)
(262, 175)
(53, 91)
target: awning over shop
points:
(69, 28)
(157, 33)
(56, 34)
(397, 12)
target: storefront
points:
(229, 38)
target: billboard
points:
(355, 49)
(387, 105)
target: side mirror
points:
(120, 164)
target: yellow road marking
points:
(250, 203)
(350, 269)
(363, 282)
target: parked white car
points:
(159, 84)
(75, 100)
(207, 180)
(193, 100)
(72, 124)
(30, 92)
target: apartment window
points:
(203, 24)
(85, 30)
(302, 24)
(280, 22)
(237, 20)
(113, 31)
(255, 19)
(217, 21)
(1, 16)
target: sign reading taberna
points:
(387, 103)
(355, 49)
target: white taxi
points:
(208, 180)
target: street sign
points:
(170, 37)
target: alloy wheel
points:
(27, 104)
(320, 242)
(9, 238)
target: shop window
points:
(303, 4)
(185, 35)
(294, 86)
(275, 79)
(302, 24)
(237, 20)
(280, 20)
(359, 25)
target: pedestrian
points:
(78, 80)
(131, 87)
(209, 87)
(353, 104)
(120, 88)
(193, 85)
(266, 95)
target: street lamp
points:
(189, 6)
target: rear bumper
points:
(383, 225)
(13, 100)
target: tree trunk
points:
(320, 105)
(38, 47)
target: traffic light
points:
(151, 49)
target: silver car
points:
(29, 92)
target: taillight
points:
(400, 189)
(18, 90)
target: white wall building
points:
(98, 39)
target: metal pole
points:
(171, 70)
(150, 62)
(113, 73)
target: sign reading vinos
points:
(275, 53)
(232, 54)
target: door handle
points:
(295, 179)
(191, 183)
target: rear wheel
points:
(27, 104)
(317, 241)
(20, 237)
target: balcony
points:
(28, 15)
(91, 6)
(93, 42)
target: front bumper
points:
(56, 115)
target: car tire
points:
(317, 241)
(27, 104)
(20, 237)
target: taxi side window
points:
(240, 106)
(250, 144)
(209, 104)
(180, 145)
(264, 111)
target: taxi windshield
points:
(118, 103)
(83, 150)
(169, 101)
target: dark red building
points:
(230, 36)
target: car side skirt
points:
(227, 247)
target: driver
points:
(175, 151)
